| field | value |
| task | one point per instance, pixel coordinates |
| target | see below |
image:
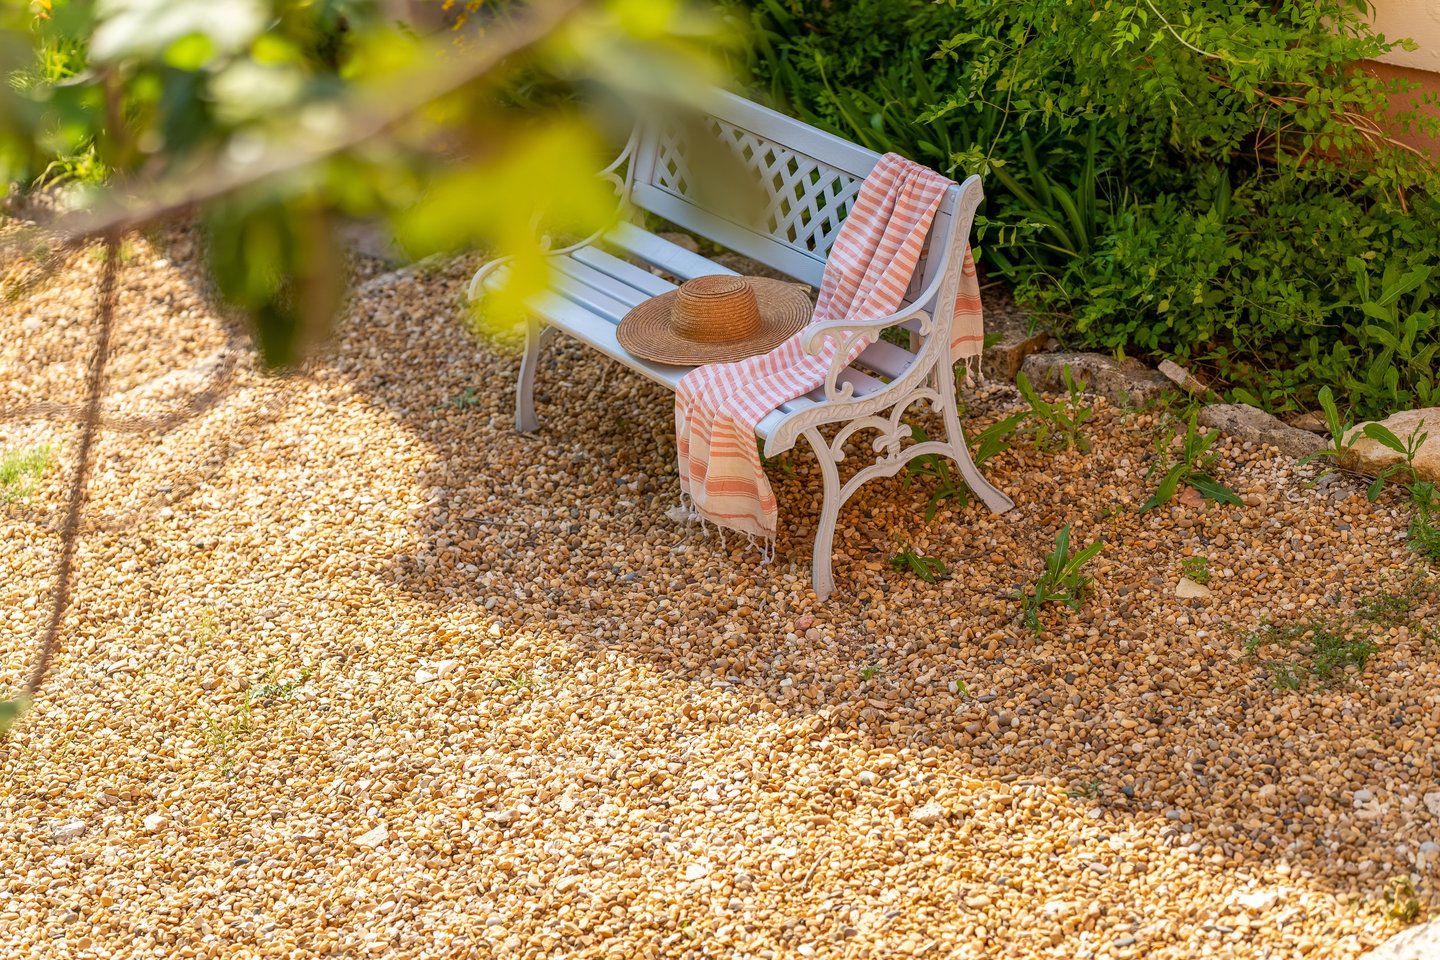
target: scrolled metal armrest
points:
(611, 173)
(847, 332)
(815, 334)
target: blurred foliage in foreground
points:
(1216, 181)
(274, 121)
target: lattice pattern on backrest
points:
(807, 199)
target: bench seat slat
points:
(637, 277)
(671, 258)
(886, 358)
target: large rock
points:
(1125, 381)
(1371, 456)
(1019, 338)
(1417, 943)
(1244, 422)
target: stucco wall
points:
(1417, 19)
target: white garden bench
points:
(811, 178)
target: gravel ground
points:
(355, 670)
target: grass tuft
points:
(21, 470)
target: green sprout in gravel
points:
(1310, 651)
(1196, 569)
(21, 470)
(1424, 531)
(1057, 425)
(222, 735)
(464, 400)
(928, 569)
(948, 486)
(519, 680)
(1408, 449)
(1193, 469)
(1064, 580)
(1402, 900)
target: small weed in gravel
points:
(1309, 651)
(1059, 424)
(1191, 470)
(464, 400)
(1402, 902)
(781, 462)
(21, 470)
(1322, 650)
(222, 735)
(987, 443)
(1064, 580)
(274, 690)
(1424, 530)
(1196, 568)
(519, 680)
(928, 569)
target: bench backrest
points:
(810, 178)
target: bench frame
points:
(811, 178)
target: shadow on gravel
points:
(1141, 706)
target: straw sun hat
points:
(715, 319)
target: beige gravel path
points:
(355, 670)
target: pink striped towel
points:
(718, 406)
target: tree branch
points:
(365, 120)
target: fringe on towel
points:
(692, 514)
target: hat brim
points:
(646, 331)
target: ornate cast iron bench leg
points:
(535, 336)
(821, 574)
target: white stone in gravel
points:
(156, 822)
(446, 667)
(1417, 943)
(1259, 900)
(1057, 909)
(65, 832)
(867, 778)
(30, 324)
(696, 871)
(424, 675)
(928, 813)
(373, 838)
(1188, 589)
(1428, 855)
(1432, 803)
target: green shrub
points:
(1203, 181)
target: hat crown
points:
(715, 309)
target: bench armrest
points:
(612, 173)
(846, 333)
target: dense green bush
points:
(1204, 181)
